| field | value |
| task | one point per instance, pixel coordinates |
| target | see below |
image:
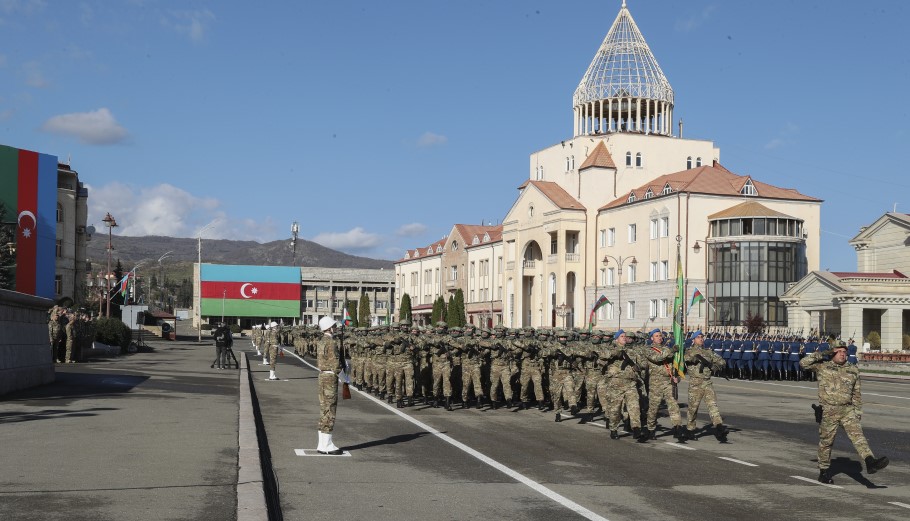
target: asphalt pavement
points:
(160, 435)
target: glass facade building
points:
(751, 261)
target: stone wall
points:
(25, 354)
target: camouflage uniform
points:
(472, 360)
(661, 378)
(328, 360)
(273, 344)
(700, 385)
(70, 331)
(442, 366)
(533, 367)
(562, 381)
(622, 386)
(842, 405)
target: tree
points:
(7, 259)
(435, 314)
(459, 308)
(351, 305)
(452, 313)
(363, 311)
(404, 312)
(754, 323)
(875, 340)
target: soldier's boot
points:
(627, 425)
(720, 432)
(636, 433)
(558, 417)
(448, 403)
(509, 404)
(874, 465)
(679, 433)
(687, 434)
(646, 435)
(541, 405)
(464, 402)
(652, 434)
(525, 406)
(479, 401)
(494, 404)
(573, 409)
(410, 401)
(824, 476)
(399, 403)
(614, 435)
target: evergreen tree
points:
(352, 311)
(459, 308)
(7, 259)
(452, 313)
(363, 311)
(436, 313)
(404, 312)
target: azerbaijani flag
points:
(696, 298)
(125, 283)
(28, 189)
(249, 291)
(678, 318)
(601, 302)
(346, 318)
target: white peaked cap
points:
(326, 323)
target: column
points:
(610, 115)
(600, 118)
(892, 329)
(851, 322)
(638, 114)
(648, 117)
(575, 121)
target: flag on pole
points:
(679, 317)
(346, 317)
(696, 298)
(599, 303)
(125, 283)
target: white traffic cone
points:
(272, 375)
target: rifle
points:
(345, 386)
(818, 412)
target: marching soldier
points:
(562, 381)
(700, 364)
(533, 367)
(661, 379)
(442, 367)
(622, 386)
(841, 405)
(272, 344)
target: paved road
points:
(431, 464)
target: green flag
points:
(678, 318)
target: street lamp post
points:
(199, 253)
(162, 291)
(619, 263)
(111, 223)
(562, 310)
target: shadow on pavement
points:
(391, 440)
(50, 414)
(853, 469)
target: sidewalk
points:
(150, 435)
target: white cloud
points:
(696, 20)
(411, 230)
(93, 128)
(167, 210)
(191, 23)
(429, 139)
(354, 240)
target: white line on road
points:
(904, 505)
(813, 388)
(562, 500)
(738, 461)
(815, 482)
(678, 445)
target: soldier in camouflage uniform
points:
(398, 359)
(661, 379)
(842, 405)
(329, 362)
(272, 343)
(55, 329)
(623, 375)
(533, 367)
(424, 369)
(442, 367)
(380, 361)
(472, 361)
(590, 367)
(69, 330)
(502, 359)
(562, 381)
(700, 364)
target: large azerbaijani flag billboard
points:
(28, 189)
(249, 291)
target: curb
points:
(250, 493)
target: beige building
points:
(876, 297)
(72, 234)
(325, 291)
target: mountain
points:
(148, 249)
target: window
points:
(663, 308)
(631, 197)
(697, 161)
(628, 158)
(454, 273)
(540, 173)
(471, 298)
(638, 159)
(603, 238)
(611, 236)
(609, 307)
(531, 211)
(59, 213)
(381, 304)
(649, 194)
(567, 163)
(322, 303)
(653, 228)
(58, 284)
(471, 270)
(499, 264)
(632, 269)
(667, 190)
(611, 278)
(664, 270)
(603, 276)
(689, 163)
(749, 188)
(653, 271)
(631, 309)
(454, 245)
(632, 233)
(573, 163)
(664, 226)
(652, 308)
(59, 248)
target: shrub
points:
(905, 342)
(874, 339)
(235, 328)
(113, 332)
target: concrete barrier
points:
(25, 353)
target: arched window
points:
(689, 163)
(454, 245)
(628, 158)
(567, 163)
(59, 213)
(638, 159)
(573, 163)
(698, 161)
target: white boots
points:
(272, 375)
(265, 360)
(326, 446)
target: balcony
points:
(573, 257)
(528, 264)
(450, 283)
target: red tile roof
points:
(599, 158)
(714, 180)
(419, 253)
(748, 209)
(860, 275)
(494, 233)
(556, 194)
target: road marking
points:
(904, 505)
(313, 452)
(746, 463)
(815, 482)
(562, 500)
(813, 388)
(678, 445)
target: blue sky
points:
(377, 125)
